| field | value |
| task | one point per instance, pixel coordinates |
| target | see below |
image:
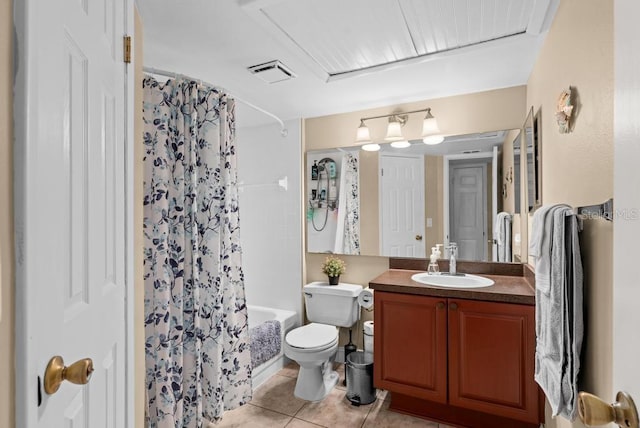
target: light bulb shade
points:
(394, 131)
(433, 139)
(402, 144)
(362, 134)
(429, 125)
(371, 147)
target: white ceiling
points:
(347, 55)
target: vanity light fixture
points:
(362, 134)
(394, 128)
(430, 130)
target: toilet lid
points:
(312, 335)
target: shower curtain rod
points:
(283, 130)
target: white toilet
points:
(314, 345)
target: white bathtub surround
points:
(270, 214)
(288, 320)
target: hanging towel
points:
(540, 242)
(559, 313)
(502, 232)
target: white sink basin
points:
(453, 281)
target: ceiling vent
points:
(272, 71)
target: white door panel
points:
(626, 228)
(71, 208)
(402, 206)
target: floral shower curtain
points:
(198, 361)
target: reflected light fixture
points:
(402, 144)
(430, 130)
(371, 147)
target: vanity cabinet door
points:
(491, 359)
(410, 345)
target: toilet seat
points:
(312, 337)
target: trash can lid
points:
(360, 359)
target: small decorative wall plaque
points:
(564, 109)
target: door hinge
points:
(127, 49)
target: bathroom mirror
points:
(516, 147)
(531, 131)
(401, 202)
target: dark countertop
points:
(507, 288)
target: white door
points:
(402, 206)
(468, 210)
(626, 222)
(71, 209)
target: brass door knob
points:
(453, 306)
(440, 305)
(56, 372)
(418, 237)
(593, 411)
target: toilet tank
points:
(332, 304)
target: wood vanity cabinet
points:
(470, 357)
(410, 345)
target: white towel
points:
(559, 314)
(502, 234)
(540, 244)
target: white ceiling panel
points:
(346, 36)
(440, 25)
(343, 35)
(216, 41)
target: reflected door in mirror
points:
(468, 209)
(402, 206)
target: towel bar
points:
(604, 210)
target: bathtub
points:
(288, 320)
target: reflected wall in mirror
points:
(516, 147)
(531, 130)
(405, 201)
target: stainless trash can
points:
(360, 388)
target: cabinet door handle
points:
(453, 306)
(440, 305)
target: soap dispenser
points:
(433, 268)
(439, 250)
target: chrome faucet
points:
(453, 253)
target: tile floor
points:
(274, 405)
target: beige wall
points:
(7, 379)
(138, 239)
(577, 168)
(462, 114)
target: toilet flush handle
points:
(309, 295)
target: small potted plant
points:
(333, 267)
